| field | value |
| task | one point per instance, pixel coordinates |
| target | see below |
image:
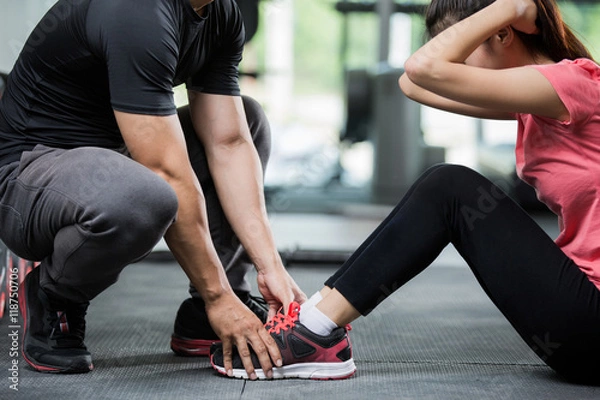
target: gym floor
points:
(439, 337)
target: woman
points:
(490, 59)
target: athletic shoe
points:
(304, 354)
(53, 336)
(193, 334)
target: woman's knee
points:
(450, 179)
(462, 189)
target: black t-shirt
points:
(87, 58)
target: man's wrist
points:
(266, 264)
(214, 295)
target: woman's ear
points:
(505, 36)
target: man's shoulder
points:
(134, 17)
(133, 10)
(226, 8)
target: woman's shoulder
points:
(578, 66)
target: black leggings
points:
(542, 292)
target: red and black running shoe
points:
(304, 354)
(53, 333)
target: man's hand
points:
(278, 289)
(237, 326)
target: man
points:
(95, 168)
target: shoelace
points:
(275, 320)
(284, 321)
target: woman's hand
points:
(526, 15)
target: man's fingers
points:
(272, 312)
(244, 353)
(227, 355)
(300, 297)
(273, 350)
(263, 356)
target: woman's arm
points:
(439, 68)
(423, 96)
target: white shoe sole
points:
(318, 371)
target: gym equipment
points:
(377, 110)
(289, 257)
(314, 256)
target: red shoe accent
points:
(22, 267)
(191, 347)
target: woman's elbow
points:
(409, 88)
(405, 85)
(418, 69)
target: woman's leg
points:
(543, 294)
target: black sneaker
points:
(305, 354)
(53, 336)
(193, 334)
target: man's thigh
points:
(52, 188)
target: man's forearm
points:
(190, 242)
(238, 177)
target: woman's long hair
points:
(555, 38)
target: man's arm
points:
(220, 123)
(158, 143)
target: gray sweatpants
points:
(88, 212)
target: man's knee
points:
(143, 211)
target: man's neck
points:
(199, 5)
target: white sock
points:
(314, 299)
(316, 321)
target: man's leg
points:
(85, 214)
(193, 334)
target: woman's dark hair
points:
(555, 38)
